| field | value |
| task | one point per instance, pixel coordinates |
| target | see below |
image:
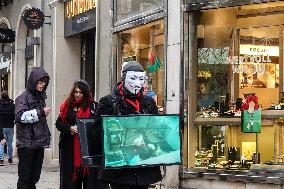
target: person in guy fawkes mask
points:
(129, 99)
(32, 132)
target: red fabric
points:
(135, 103)
(247, 100)
(77, 151)
(151, 58)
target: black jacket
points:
(131, 176)
(1, 134)
(66, 151)
(7, 116)
(32, 135)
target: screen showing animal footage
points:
(141, 140)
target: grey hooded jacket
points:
(31, 125)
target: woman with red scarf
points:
(79, 104)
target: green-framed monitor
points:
(141, 140)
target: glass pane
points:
(259, 63)
(145, 44)
(206, 4)
(227, 146)
(141, 140)
(240, 51)
(235, 58)
(129, 8)
(215, 45)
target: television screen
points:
(141, 140)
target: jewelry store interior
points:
(239, 57)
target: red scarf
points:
(77, 151)
(133, 103)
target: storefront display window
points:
(131, 8)
(145, 44)
(239, 53)
(5, 61)
(209, 4)
(234, 59)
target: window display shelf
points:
(265, 114)
(272, 114)
(218, 121)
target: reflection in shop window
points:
(233, 61)
(145, 44)
(129, 8)
(238, 53)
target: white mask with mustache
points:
(134, 81)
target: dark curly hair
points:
(85, 88)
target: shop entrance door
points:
(88, 41)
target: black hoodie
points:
(32, 135)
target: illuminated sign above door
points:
(76, 7)
(80, 15)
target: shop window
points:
(239, 52)
(145, 44)
(130, 8)
(5, 57)
(235, 60)
(226, 146)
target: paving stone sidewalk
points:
(49, 177)
(9, 175)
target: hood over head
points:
(36, 74)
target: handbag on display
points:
(251, 122)
(251, 115)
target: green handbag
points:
(251, 122)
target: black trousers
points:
(88, 182)
(124, 186)
(29, 167)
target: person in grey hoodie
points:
(32, 132)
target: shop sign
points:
(80, 23)
(7, 35)
(251, 59)
(33, 18)
(5, 62)
(76, 7)
(257, 50)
